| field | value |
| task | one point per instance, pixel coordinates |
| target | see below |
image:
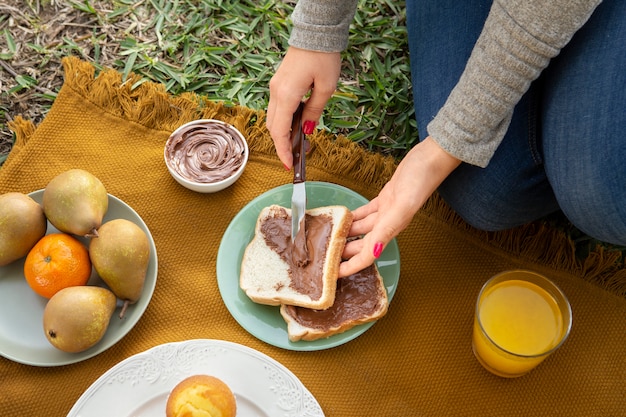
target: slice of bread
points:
(267, 277)
(360, 298)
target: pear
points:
(76, 318)
(22, 224)
(75, 202)
(120, 255)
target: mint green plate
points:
(265, 322)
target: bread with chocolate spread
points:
(275, 271)
(360, 298)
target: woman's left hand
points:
(416, 178)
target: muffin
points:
(201, 396)
(206, 155)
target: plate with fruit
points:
(71, 269)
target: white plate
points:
(139, 385)
(22, 338)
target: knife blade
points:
(298, 198)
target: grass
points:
(226, 50)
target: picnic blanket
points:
(415, 361)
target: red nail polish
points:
(378, 249)
(308, 127)
(286, 167)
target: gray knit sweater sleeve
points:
(517, 42)
(322, 25)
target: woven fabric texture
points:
(416, 361)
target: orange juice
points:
(517, 325)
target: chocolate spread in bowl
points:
(357, 296)
(305, 278)
(205, 151)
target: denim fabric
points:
(566, 146)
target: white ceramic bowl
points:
(206, 155)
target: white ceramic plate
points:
(139, 385)
(265, 322)
(22, 338)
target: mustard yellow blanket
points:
(416, 361)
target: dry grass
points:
(31, 72)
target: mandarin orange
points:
(57, 261)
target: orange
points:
(57, 261)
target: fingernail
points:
(286, 167)
(308, 127)
(378, 249)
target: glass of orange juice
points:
(521, 318)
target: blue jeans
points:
(566, 146)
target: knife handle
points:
(298, 146)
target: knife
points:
(298, 199)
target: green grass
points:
(228, 50)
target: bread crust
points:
(297, 331)
(265, 277)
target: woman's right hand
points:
(300, 72)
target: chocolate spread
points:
(306, 278)
(299, 251)
(357, 297)
(205, 151)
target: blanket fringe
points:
(150, 105)
(23, 129)
(540, 242)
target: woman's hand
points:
(416, 178)
(300, 72)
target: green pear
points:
(76, 318)
(22, 224)
(75, 202)
(120, 255)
